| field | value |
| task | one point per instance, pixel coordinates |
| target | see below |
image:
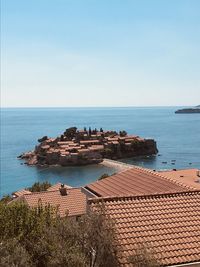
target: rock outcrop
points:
(188, 110)
(82, 147)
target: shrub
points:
(70, 132)
(38, 187)
(5, 199)
(103, 176)
(12, 253)
(143, 257)
(39, 238)
(123, 133)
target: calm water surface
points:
(177, 136)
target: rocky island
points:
(82, 147)
(188, 110)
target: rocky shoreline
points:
(82, 147)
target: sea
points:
(177, 137)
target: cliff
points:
(82, 147)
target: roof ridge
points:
(150, 196)
(55, 190)
(35, 193)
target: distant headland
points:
(188, 110)
(82, 147)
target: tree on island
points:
(70, 132)
(123, 133)
(44, 138)
(90, 131)
(62, 137)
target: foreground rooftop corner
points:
(166, 224)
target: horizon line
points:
(142, 106)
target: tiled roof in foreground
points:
(167, 224)
(135, 181)
(71, 204)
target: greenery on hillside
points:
(38, 187)
(103, 176)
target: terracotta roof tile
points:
(89, 141)
(168, 224)
(135, 181)
(188, 177)
(21, 193)
(73, 203)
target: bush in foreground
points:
(39, 238)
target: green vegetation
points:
(123, 133)
(38, 187)
(103, 176)
(39, 238)
(108, 153)
(143, 257)
(82, 157)
(5, 199)
(136, 144)
(70, 132)
(44, 138)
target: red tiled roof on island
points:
(90, 146)
(135, 181)
(165, 224)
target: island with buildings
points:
(81, 147)
(188, 110)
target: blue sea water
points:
(177, 136)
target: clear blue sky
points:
(100, 53)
